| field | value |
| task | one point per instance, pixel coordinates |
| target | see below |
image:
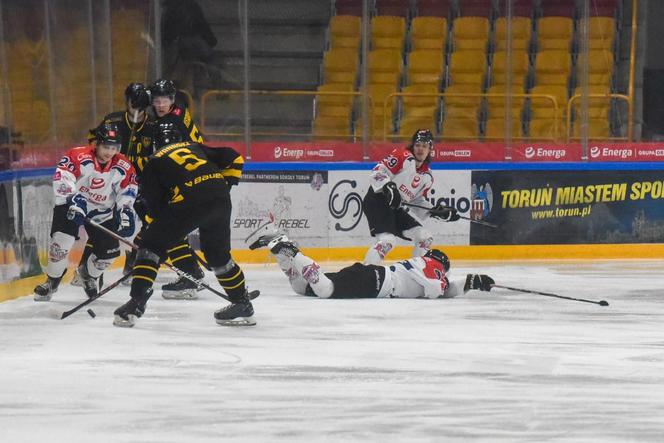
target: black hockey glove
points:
(446, 213)
(478, 281)
(392, 195)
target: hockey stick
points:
(548, 294)
(472, 220)
(91, 299)
(130, 145)
(178, 271)
(261, 226)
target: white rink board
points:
(324, 208)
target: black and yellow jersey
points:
(140, 147)
(186, 175)
(182, 120)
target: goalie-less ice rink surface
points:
(499, 366)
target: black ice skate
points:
(78, 280)
(277, 243)
(89, 282)
(236, 314)
(126, 315)
(182, 288)
(45, 291)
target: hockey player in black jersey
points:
(186, 186)
(167, 111)
(135, 125)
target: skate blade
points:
(42, 298)
(122, 323)
(240, 321)
(179, 295)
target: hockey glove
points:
(392, 195)
(446, 213)
(126, 223)
(478, 281)
(78, 210)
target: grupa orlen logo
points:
(595, 151)
(530, 152)
(277, 152)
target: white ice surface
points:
(497, 366)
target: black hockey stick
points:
(91, 299)
(261, 226)
(548, 294)
(177, 270)
(472, 220)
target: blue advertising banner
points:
(568, 207)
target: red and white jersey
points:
(417, 277)
(79, 172)
(399, 167)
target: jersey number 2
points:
(184, 156)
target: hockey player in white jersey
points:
(99, 183)
(403, 176)
(418, 277)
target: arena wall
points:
(542, 211)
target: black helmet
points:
(422, 136)
(163, 88)
(108, 134)
(440, 256)
(137, 95)
(165, 134)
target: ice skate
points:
(240, 313)
(182, 289)
(89, 282)
(45, 291)
(126, 315)
(78, 281)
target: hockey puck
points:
(92, 313)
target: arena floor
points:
(499, 366)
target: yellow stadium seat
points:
(464, 100)
(467, 67)
(521, 28)
(543, 125)
(425, 67)
(345, 31)
(598, 129)
(470, 34)
(554, 33)
(340, 66)
(408, 125)
(517, 66)
(460, 128)
(421, 101)
(385, 66)
(331, 127)
(601, 33)
(600, 67)
(495, 129)
(428, 33)
(559, 93)
(387, 32)
(334, 105)
(379, 93)
(552, 68)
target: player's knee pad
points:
(422, 240)
(96, 265)
(59, 246)
(376, 254)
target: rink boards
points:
(561, 210)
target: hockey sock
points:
(145, 273)
(231, 278)
(58, 251)
(182, 256)
(311, 272)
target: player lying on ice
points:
(418, 277)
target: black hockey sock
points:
(233, 283)
(182, 256)
(86, 253)
(145, 273)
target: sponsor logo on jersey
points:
(311, 273)
(416, 181)
(96, 183)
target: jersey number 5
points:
(184, 156)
